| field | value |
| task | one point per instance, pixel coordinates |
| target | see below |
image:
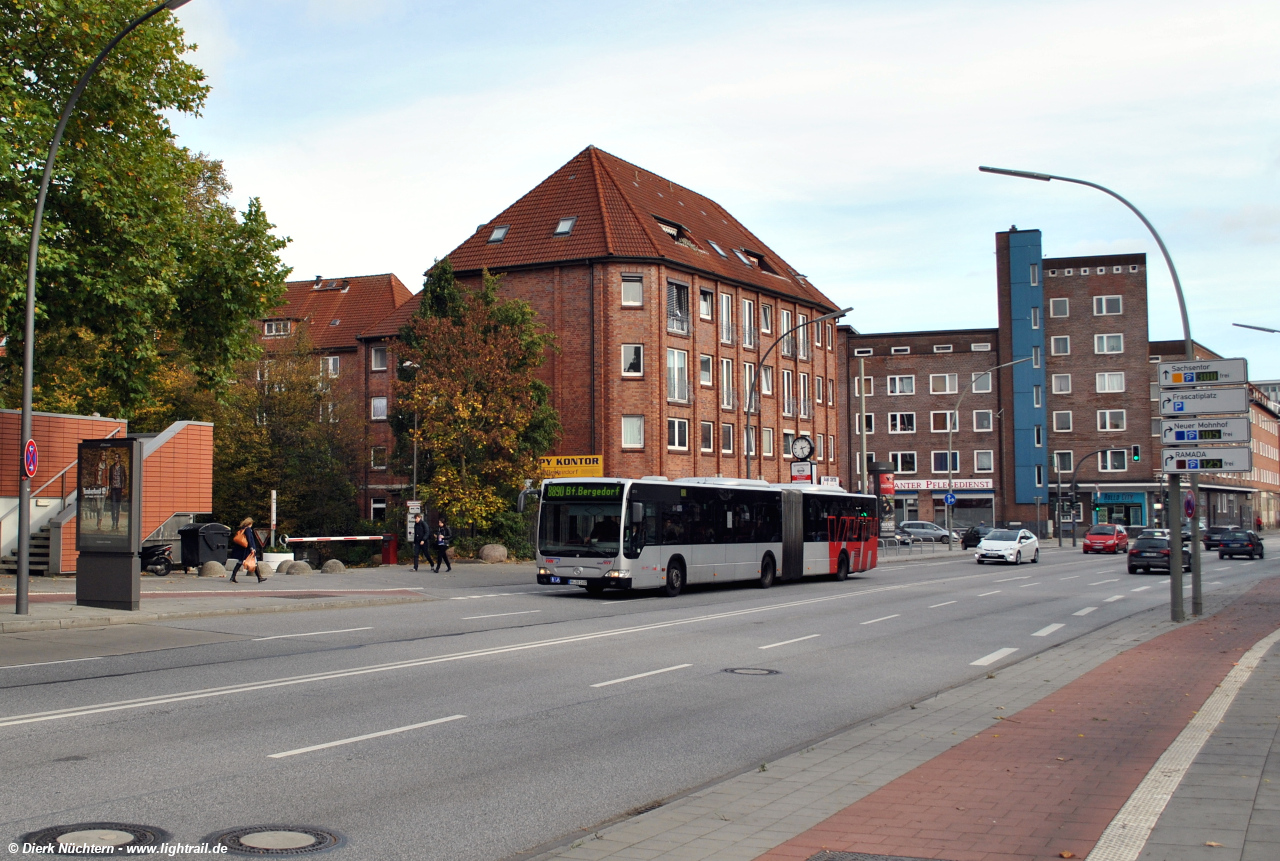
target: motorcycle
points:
(157, 559)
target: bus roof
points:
(716, 481)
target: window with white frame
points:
(831, 392)
(633, 360)
(830, 343)
(766, 319)
(940, 461)
(1115, 460)
(819, 449)
(1061, 384)
(1062, 421)
(817, 336)
(633, 431)
(787, 347)
(748, 324)
(1035, 275)
(329, 366)
(1111, 381)
(378, 359)
(726, 438)
(869, 422)
(633, 290)
(1108, 343)
(831, 447)
(982, 421)
(869, 384)
(1064, 461)
(901, 385)
(678, 434)
(766, 442)
(378, 409)
(1035, 318)
(806, 409)
(982, 383)
(788, 438)
(707, 436)
(818, 386)
(677, 375)
(938, 421)
(1059, 308)
(706, 370)
(802, 336)
(1111, 420)
(942, 348)
(902, 422)
(1037, 434)
(900, 351)
(706, 304)
(276, 328)
(766, 379)
(726, 383)
(863, 351)
(943, 384)
(378, 457)
(788, 393)
(1060, 345)
(1107, 306)
(903, 461)
(984, 460)
(981, 347)
(1037, 396)
(726, 318)
(1035, 357)
(378, 508)
(748, 384)
(677, 308)
(1039, 475)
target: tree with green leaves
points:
(144, 264)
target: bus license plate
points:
(577, 582)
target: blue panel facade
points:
(1027, 323)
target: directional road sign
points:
(1217, 372)
(1203, 402)
(949, 499)
(1233, 459)
(1184, 432)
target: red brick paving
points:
(70, 597)
(1050, 778)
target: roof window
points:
(677, 232)
(755, 258)
(565, 225)
(335, 321)
(942, 348)
(718, 249)
(742, 257)
(500, 232)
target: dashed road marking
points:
(993, 657)
(492, 595)
(1048, 629)
(496, 615)
(366, 737)
(1140, 589)
(1072, 577)
(640, 676)
(311, 634)
(47, 663)
(1085, 612)
(943, 604)
(985, 594)
(1010, 579)
(1025, 585)
(1100, 582)
(789, 642)
(881, 619)
(1112, 598)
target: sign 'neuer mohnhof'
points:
(1201, 402)
(1204, 431)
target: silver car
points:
(925, 529)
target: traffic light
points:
(1136, 453)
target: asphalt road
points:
(508, 715)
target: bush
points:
(510, 529)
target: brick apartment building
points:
(662, 304)
(1080, 399)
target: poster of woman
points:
(105, 496)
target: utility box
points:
(390, 548)
(204, 542)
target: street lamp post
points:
(1175, 479)
(414, 365)
(952, 421)
(29, 332)
(1259, 328)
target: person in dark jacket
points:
(442, 537)
(240, 554)
(420, 541)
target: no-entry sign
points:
(30, 458)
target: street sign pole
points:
(1176, 612)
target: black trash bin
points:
(204, 542)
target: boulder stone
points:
(333, 566)
(493, 553)
(212, 569)
(265, 569)
(298, 567)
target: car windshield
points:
(1101, 529)
(1002, 535)
(1151, 544)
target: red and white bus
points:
(651, 533)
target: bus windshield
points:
(581, 520)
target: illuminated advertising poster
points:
(106, 494)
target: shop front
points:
(923, 499)
(1123, 509)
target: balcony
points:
(806, 408)
(678, 323)
(788, 405)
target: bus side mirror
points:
(522, 499)
(637, 513)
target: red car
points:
(1106, 538)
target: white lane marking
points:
(1048, 629)
(1100, 582)
(1072, 577)
(789, 642)
(943, 604)
(1250, 562)
(1127, 834)
(993, 657)
(881, 619)
(1025, 585)
(1222, 568)
(1140, 589)
(1112, 598)
(311, 634)
(496, 615)
(985, 594)
(366, 737)
(1214, 583)
(47, 663)
(246, 687)
(494, 595)
(640, 676)
(1085, 612)
(1011, 579)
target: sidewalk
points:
(1034, 761)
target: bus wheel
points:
(675, 580)
(767, 572)
(842, 568)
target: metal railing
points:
(896, 547)
(729, 399)
(678, 323)
(806, 408)
(789, 406)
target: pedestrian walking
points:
(441, 538)
(420, 541)
(245, 546)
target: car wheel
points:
(675, 580)
(1133, 569)
(1221, 555)
(1036, 558)
(979, 561)
(1017, 558)
(767, 572)
(842, 568)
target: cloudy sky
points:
(847, 135)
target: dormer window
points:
(500, 233)
(755, 258)
(565, 225)
(718, 249)
(275, 328)
(677, 232)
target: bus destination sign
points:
(561, 491)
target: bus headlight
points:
(544, 571)
(616, 573)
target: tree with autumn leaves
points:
(484, 418)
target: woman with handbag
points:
(245, 549)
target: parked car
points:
(925, 529)
(1106, 538)
(1240, 542)
(1212, 537)
(1154, 554)
(973, 535)
(1008, 545)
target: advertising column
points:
(109, 524)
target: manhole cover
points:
(751, 671)
(276, 840)
(96, 838)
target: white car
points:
(1008, 545)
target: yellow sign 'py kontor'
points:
(573, 466)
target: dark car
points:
(1213, 536)
(1240, 542)
(973, 535)
(1154, 554)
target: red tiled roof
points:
(390, 325)
(618, 206)
(355, 303)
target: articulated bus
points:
(651, 533)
